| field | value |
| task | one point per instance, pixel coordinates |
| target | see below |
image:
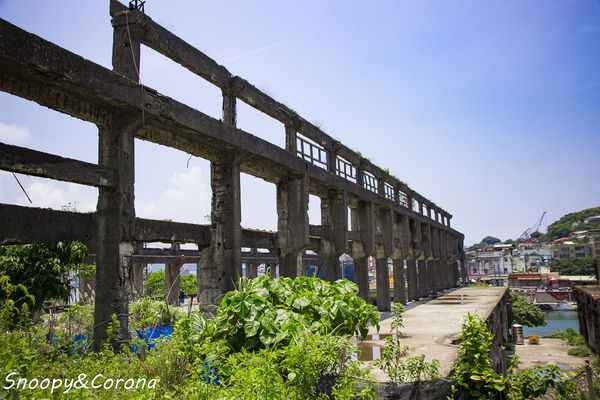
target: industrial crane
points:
(526, 236)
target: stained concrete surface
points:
(548, 352)
(432, 325)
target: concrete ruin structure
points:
(365, 212)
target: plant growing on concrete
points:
(474, 377)
(392, 360)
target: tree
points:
(188, 283)
(490, 241)
(575, 266)
(43, 268)
(155, 285)
(520, 312)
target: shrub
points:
(268, 312)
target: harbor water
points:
(556, 320)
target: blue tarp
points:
(152, 334)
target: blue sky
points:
(489, 108)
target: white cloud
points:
(14, 134)
(57, 195)
(3, 174)
(45, 195)
(188, 200)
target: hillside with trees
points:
(573, 222)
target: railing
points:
(311, 152)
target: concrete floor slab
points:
(547, 352)
(432, 326)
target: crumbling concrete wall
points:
(588, 305)
(385, 224)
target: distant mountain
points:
(570, 223)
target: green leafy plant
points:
(472, 374)
(146, 313)
(267, 311)
(474, 377)
(535, 382)
(43, 268)
(520, 312)
(15, 305)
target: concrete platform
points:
(432, 326)
(548, 352)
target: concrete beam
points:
(147, 230)
(16, 224)
(259, 239)
(67, 83)
(37, 163)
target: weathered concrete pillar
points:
(401, 251)
(385, 225)
(426, 241)
(423, 271)
(334, 216)
(87, 287)
(452, 274)
(382, 280)
(172, 279)
(411, 273)
(361, 276)
(464, 272)
(172, 283)
(221, 262)
(251, 267)
(445, 278)
(331, 263)
(136, 291)
(292, 224)
(433, 275)
(116, 228)
(251, 270)
(115, 209)
(363, 222)
(399, 282)
(440, 278)
(290, 140)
